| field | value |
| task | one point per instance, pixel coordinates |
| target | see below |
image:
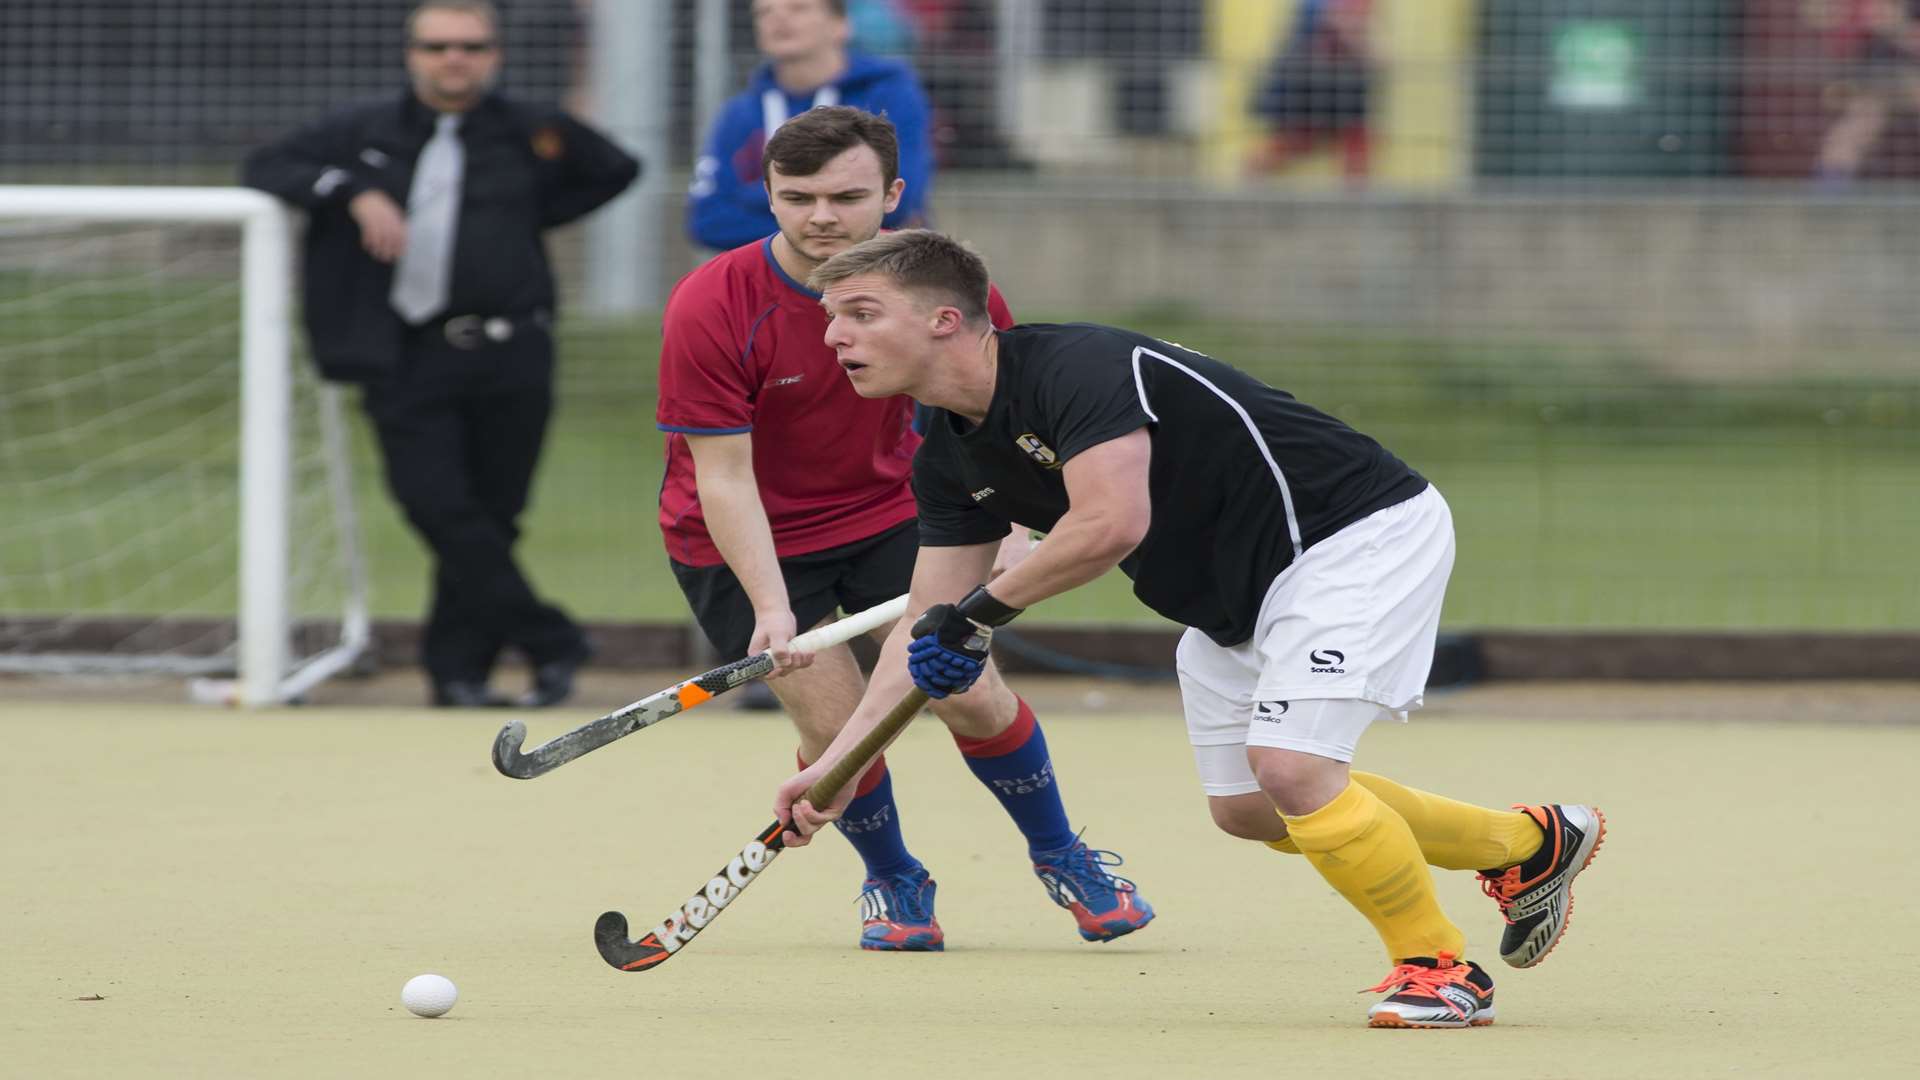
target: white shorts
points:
(1353, 619)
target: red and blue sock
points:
(871, 824)
(1016, 768)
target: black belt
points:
(474, 331)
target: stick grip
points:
(852, 626)
(868, 748)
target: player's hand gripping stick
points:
(672, 701)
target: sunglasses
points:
(471, 48)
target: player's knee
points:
(819, 699)
(816, 729)
(1247, 817)
(1284, 770)
(1300, 754)
(1296, 782)
(981, 713)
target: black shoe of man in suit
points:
(758, 697)
(458, 694)
(553, 680)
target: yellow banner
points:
(1418, 119)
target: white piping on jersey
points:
(773, 106)
(1279, 478)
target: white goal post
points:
(261, 655)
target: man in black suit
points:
(427, 282)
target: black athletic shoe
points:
(1536, 897)
(1433, 992)
(757, 697)
(553, 680)
(457, 694)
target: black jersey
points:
(1243, 478)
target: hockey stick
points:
(675, 699)
(610, 931)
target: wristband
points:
(980, 606)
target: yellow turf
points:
(247, 893)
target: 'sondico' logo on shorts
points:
(1270, 711)
(1327, 661)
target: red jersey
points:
(743, 349)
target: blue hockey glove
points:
(950, 642)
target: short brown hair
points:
(838, 8)
(805, 144)
(482, 8)
(921, 260)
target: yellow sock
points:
(1454, 835)
(1367, 852)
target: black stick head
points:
(610, 937)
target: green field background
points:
(1586, 493)
(1590, 488)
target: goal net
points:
(174, 489)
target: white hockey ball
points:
(429, 995)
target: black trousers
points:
(461, 432)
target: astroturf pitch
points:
(195, 893)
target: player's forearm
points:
(737, 521)
(1083, 546)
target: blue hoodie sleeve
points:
(725, 208)
(903, 101)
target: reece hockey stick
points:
(656, 945)
(675, 699)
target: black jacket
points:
(527, 170)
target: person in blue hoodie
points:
(808, 63)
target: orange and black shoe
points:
(1536, 897)
(1433, 992)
